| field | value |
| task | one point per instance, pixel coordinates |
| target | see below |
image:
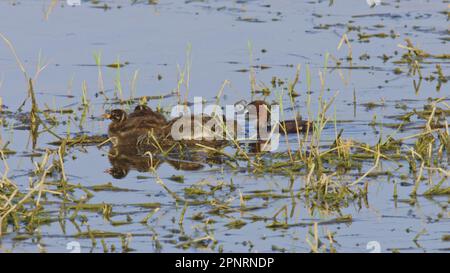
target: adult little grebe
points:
(262, 115)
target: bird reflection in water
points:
(124, 159)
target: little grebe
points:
(262, 115)
(126, 129)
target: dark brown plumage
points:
(118, 118)
(126, 129)
(144, 126)
(147, 112)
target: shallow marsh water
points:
(155, 40)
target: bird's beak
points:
(106, 116)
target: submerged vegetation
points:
(318, 178)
